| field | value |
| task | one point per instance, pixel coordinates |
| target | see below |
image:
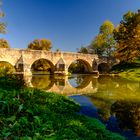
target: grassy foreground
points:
(128, 70)
(31, 114)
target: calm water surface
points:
(113, 100)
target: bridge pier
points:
(27, 70)
(96, 72)
(61, 69)
(61, 72)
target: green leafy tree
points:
(104, 43)
(83, 50)
(40, 44)
(127, 35)
(97, 45)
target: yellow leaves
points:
(4, 44)
(99, 40)
(128, 37)
(2, 28)
(2, 24)
(40, 44)
(107, 28)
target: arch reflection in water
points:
(80, 81)
(42, 82)
(76, 84)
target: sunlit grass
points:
(128, 70)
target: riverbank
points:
(28, 113)
(128, 70)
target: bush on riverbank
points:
(128, 70)
(28, 113)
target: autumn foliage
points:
(40, 44)
(4, 44)
(127, 35)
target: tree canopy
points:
(4, 44)
(40, 44)
(104, 43)
(127, 35)
(83, 50)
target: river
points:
(113, 100)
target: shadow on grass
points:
(126, 66)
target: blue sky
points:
(69, 24)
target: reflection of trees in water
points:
(128, 114)
(114, 89)
(42, 82)
(94, 82)
(103, 106)
(104, 79)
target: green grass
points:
(128, 70)
(31, 114)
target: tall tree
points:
(40, 44)
(127, 36)
(104, 43)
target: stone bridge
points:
(59, 61)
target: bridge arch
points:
(7, 67)
(103, 68)
(85, 66)
(42, 64)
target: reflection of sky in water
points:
(72, 81)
